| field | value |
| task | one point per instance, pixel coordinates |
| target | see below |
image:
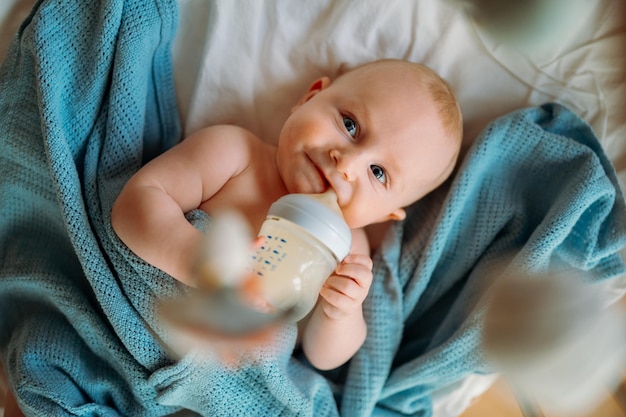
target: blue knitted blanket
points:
(87, 97)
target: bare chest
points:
(251, 193)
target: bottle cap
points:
(317, 218)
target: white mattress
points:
(246, 62)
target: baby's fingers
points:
(345, 287)
(356, 258)
(337, 304)
(360, 273)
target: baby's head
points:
(382, 136)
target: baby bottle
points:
(306, 238)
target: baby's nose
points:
(344, 163)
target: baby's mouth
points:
(322, 176)
(325, 181)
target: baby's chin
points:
(353, 222)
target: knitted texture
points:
(86, 97)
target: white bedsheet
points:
(246, 62)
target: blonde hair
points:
(447, 105)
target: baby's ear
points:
(317, 86)
(396, 215)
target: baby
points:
(382, 136)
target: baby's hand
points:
(343, 292)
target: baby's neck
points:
(376, 234)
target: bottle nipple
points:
(329, 199)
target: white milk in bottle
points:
(306, 238)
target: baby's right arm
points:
(336, 329)
(149, 214)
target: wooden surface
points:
(499, 401)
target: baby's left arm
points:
(336, 328)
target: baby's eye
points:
(379, 173)
(350, 126)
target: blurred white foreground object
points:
(223, 258)
(225, 304)
(556, 340)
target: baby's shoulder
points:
(227, 134)
(225, 141)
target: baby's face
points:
(374, 136)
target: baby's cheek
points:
(357, 218)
